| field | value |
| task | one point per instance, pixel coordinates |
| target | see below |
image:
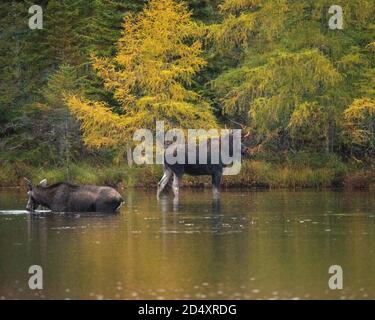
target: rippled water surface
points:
(250, 245)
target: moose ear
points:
(43, 183)
(28, 184)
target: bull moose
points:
(211, 168)
(66, 197)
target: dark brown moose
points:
(66, 197)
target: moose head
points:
(33, 203)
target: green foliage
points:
(359, 122)
(103, 25)
(19, 61)
(286, 71)
(274, 65)
(310, 122)
(62, 37)
(204, 10)
(268, 94)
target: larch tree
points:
(359, 122)
(285, 68)
(158, 54)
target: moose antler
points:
(237, 123)
(28, 183)
(27, 180)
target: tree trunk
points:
(330, 136)
(129, 156)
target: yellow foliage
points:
(360, 109)
(359, 121)
(234, 31)
(101, 127)
(248, 21)
(268, 94)
(308, 121)
(157, 56)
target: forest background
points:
(73, 93)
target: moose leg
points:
(216, 178)
(176, 185)
(163, 182)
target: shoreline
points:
(223, 189)
(255, 174)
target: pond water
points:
(249, 245)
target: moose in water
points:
(209, 167)
(66, 197)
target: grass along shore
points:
(254, 174)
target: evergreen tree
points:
(274, 65)
(49, 121)
(104, 25)
(62, 40)
(149, 76)
(17, 62)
